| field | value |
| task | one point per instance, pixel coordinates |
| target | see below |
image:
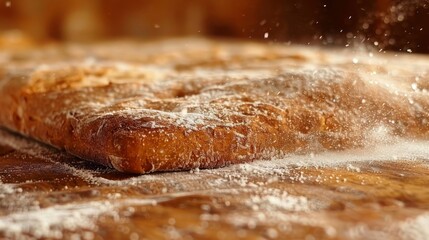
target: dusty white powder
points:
(5, 189)
(51, 222)
(400, 150)
(274, 199)
(416, 228)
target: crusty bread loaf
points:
(188, 103)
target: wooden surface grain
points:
(47, 194)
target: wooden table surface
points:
(45, 193)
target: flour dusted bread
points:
(187, 103)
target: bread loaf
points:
(193, 103)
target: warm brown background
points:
(399, 25)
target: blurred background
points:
(380, 24)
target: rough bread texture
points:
(192, 103)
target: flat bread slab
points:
(192, 103)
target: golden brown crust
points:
(196, 103)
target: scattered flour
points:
(416, 228)
(411, 229)
(274, 199)
(51, 222)
(399, 151)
